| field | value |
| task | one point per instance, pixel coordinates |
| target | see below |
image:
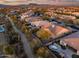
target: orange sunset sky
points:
(52, 2)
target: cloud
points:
(52, 2)
(11, 0)
(70, 0)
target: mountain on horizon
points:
(33, 4)
(30, 4)
(4, 6)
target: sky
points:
(51, 2)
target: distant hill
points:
(47, 5)
(4, 6)
(30, 5)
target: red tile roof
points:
(73, 42)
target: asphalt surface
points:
(67, 53)
(3, 39)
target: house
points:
(72, 41)
(58, 30)
(41, 23)
(75, 13)
(26, 14)
(33, 19)
(55, 29)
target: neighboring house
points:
(41, 23)
(72, 41)
(75, 13)
(58, 30)
(33, 19)
(26, 15)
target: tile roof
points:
(72, 40)
(74, 35)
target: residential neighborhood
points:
(39, 31)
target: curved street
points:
(24, 40)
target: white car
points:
(57, 48)
(54, 47)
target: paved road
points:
(24, 40)
(3, 39)
(67, 53)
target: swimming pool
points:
(2, 28)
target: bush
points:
(9, 50)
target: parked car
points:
(2, 28)
(56, 49)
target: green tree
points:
(43, 52)
(45, 17)
(35, 43)
(44, 34)
(9, 50)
